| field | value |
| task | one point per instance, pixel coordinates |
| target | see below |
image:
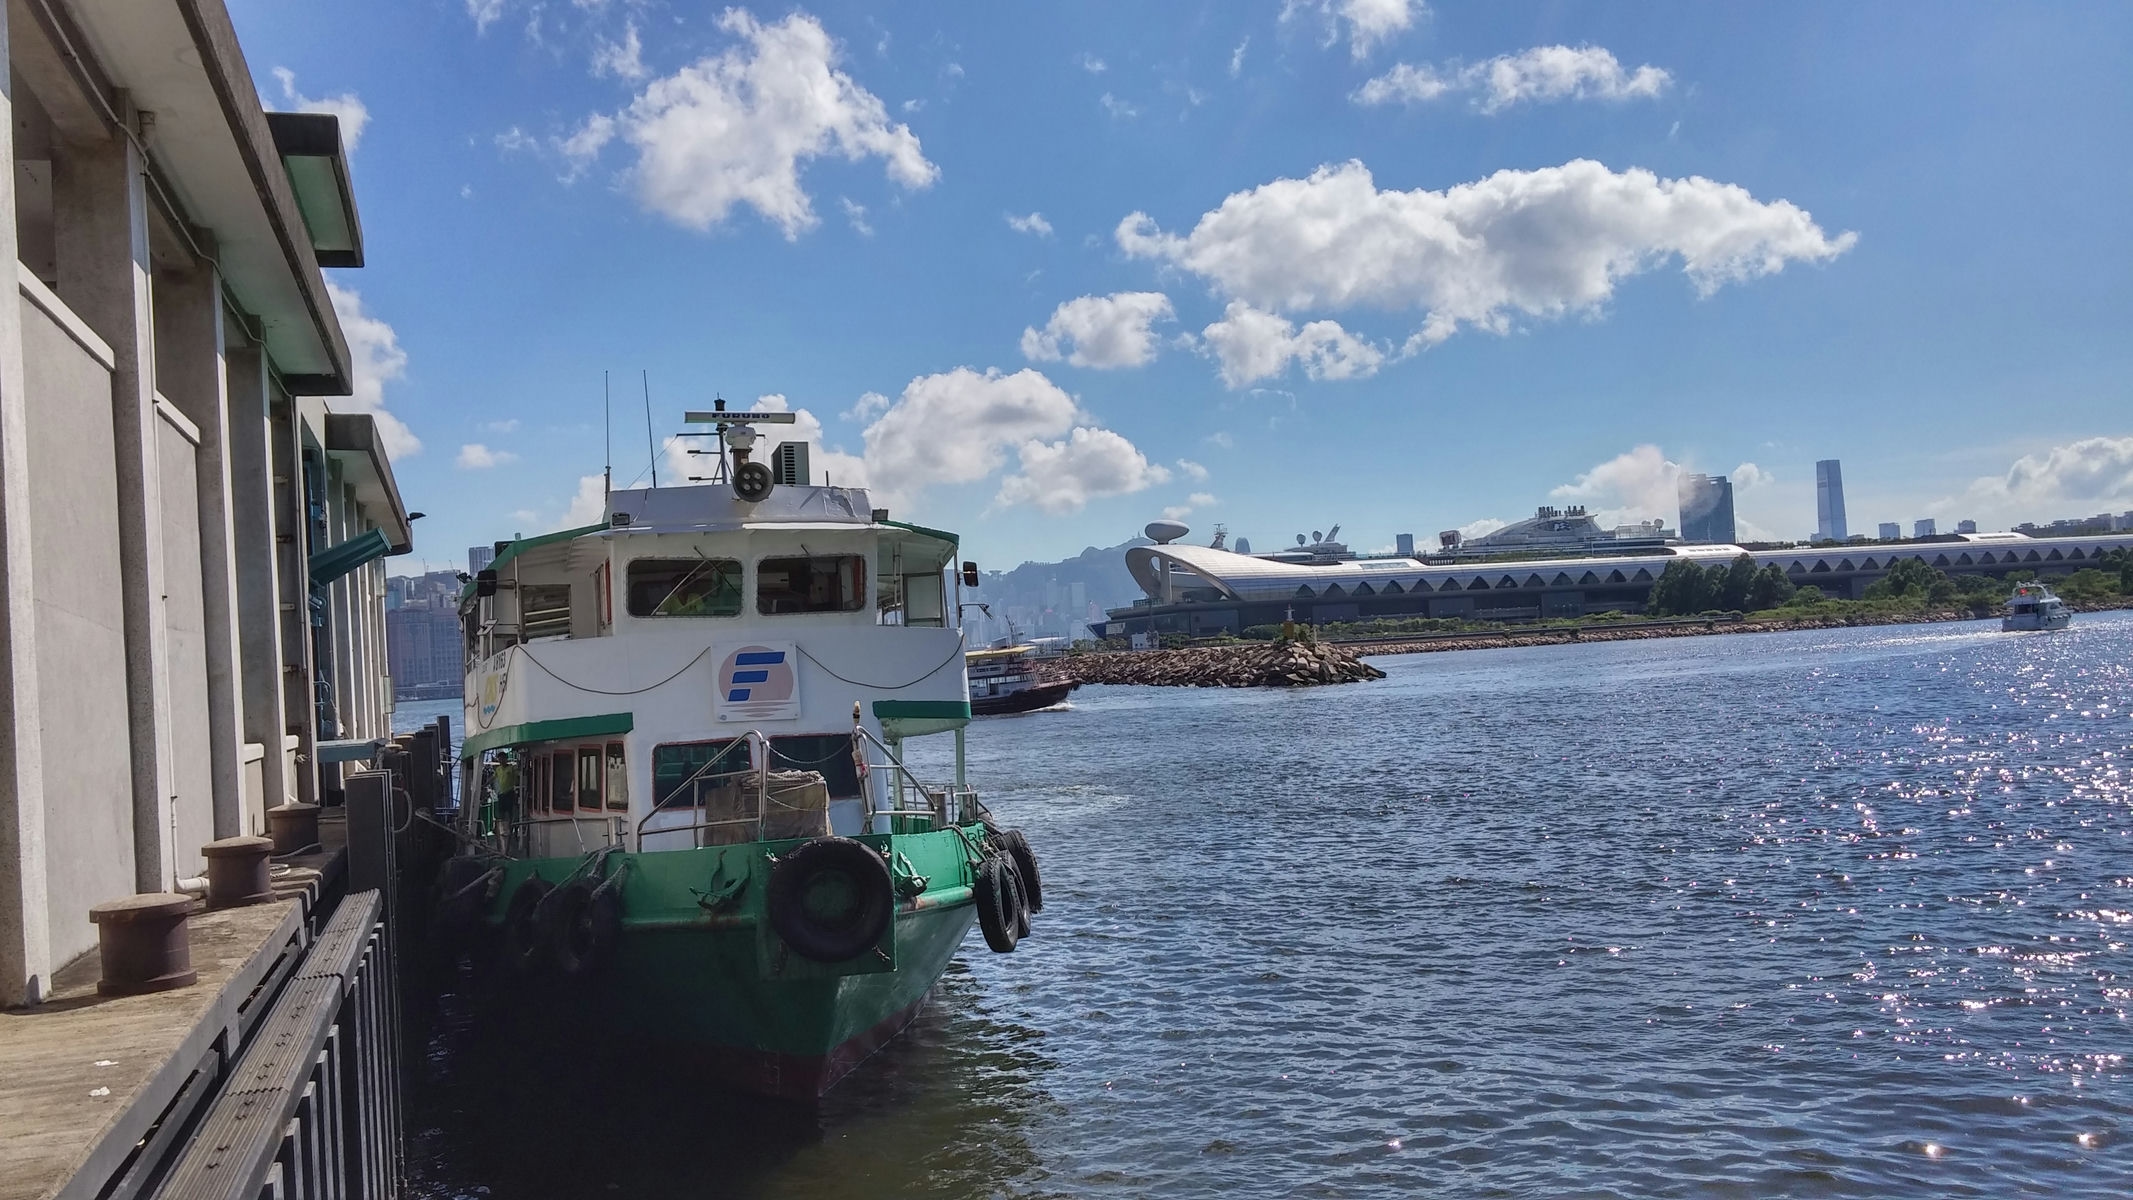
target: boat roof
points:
(998, 652)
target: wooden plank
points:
(72, 1124)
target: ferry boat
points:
(684, 725)
(1009, 679)
(2033, 606)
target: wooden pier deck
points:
(86, 1079)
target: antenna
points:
(607, 423)
(650, 450)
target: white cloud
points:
(1031, 224)
(1063, 476)
(1537, 75)
(1118, 108)
(508, 425)
(2074, 480)
(734, 129)
(515, 140)
(1092, 64)
(866, 407)
(957, 426)
(1236, 57)
(1636, 485)
(1251, 344)
(588, 506)
(351, 111)
(624, 60)
(1193, 471)
(484, 13)
(1100, 331)
(375, 359)
(476, 457)
(1748, 476)
(857, 215)
(1481, 528)
(1366, 23)
(1198, 500)
(1222, 439)
(1544, 243)
(582, 149)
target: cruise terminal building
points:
(1205, 590)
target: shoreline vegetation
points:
(1685, 603)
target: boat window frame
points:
(563, 770)
(841, 758)
(615, 765)
(665, 803)
(596, 754)
(629, 586)
(854, 573)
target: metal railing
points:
(696, 780)
(312, 1108)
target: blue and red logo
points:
(758, 683)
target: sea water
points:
(1818, 913)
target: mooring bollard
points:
(237, 871)
(145, 943)
(293, 826)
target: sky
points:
(1042, 274)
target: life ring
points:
(584, 923)
(830, 899)
(999, 903)
(1017, 848)
(524, 948)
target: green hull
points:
(699, 971)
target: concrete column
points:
(255, 522)
(293, 546)
(100, 209)
(25, 924)
(190, 374)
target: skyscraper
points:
(1706, 508)
(1829, 502)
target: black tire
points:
(830, 899)
(1021, 902)
(1025, 858)
(525, 950)
(584, 928)
(996, 899)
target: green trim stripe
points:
(522, 545)
(922, 710)
(563, 729)
(942, 534)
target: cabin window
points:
(827, 583)
(561, 773)
(680, 771)
(590, 771)
(684, 587)
(829, 753)
(924, 601)
(618, 778)
(544, 610)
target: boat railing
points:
(697, 779)
(940, 800)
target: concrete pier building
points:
(190, 534)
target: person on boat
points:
(707, 592)
(506, 787)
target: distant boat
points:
(1007, 680)
(2033, 607)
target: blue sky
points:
(1040, 274)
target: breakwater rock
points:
(1267, 664)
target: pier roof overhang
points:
(352, 441)
(211, 155)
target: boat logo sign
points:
(758, 683)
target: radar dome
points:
(1166, 531)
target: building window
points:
(830, 583)
(684, 587)
(683, 770)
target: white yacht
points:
(2033, 606)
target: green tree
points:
(1804, 597)
(1770, 589)
(1739, 583)
(1681, 590)
(1908, 578)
